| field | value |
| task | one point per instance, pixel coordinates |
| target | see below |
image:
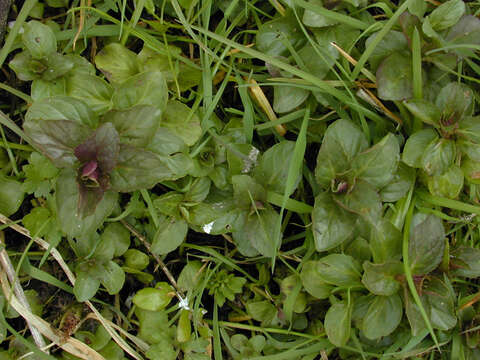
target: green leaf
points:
(190, 276)
(112, 277)
(136, 259)
(246, 190)
(120, 237)
(42, 89)
(165, 142)
(96, 92)
(339, 270)
(138, 169)
(426, 245)
(465, 31)
(117, 63)
(466, 262)
(378, 164)
(57, 139)
(315, 64)
(337, 323)
(154, 327)
(170, 235)
(21, 64)
(273, 166)
(154, 299)
(416, 145)
(147, 88)
(362, 200)
(455, 101)
(395, 78)
(341, 143)
(263, 311)
(56, 66)
(11, 195)
(85, 287)
(469, 128)
(182, 122)
(448, 185)
(241, 158)
(392, 42)
(331, 224)
(438, 156)
(312, 282)
(440, 297)
(385, 242)
(62, 108)
(198, 190)
(287, 98)
(39, 39)
(400, 184)
(260, 231)
(446, 15)
(380, 279)
(425, 111)
(137, 125)
(383, 316)
(67, 196)
(272, 35)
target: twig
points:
(71, 277)
(69, 344)
(162, 265)
(10, 271)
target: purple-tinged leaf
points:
(57, 139)
(139, 169)
(108, 147)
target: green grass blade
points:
(380, 35)
(408, 272)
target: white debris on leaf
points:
(251, 161)
(183, 303)
(208, 227)
(11, 24)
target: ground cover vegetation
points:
(232, 179)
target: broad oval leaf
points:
(394, 77)
(312, 282)
(112, 277)
(416, 145)
(272, 34)
(379, 279)
(11, 195)
(182, 122)
(67, 196)
(438, 156)
(116, 62)
(170, 235)
(138, 169)
(426, 245)
(274, 165)
(331, 224)
(378, 164)
(96, 92)
(39, 39)
(339, 270)
(147, 88)
(153, 299)
(338, 323)
(449, 184)
(137, 125)
(425, 111)
(383, 316)
(286, 98)
(341, 143)
(86, 286)
(62, 108)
